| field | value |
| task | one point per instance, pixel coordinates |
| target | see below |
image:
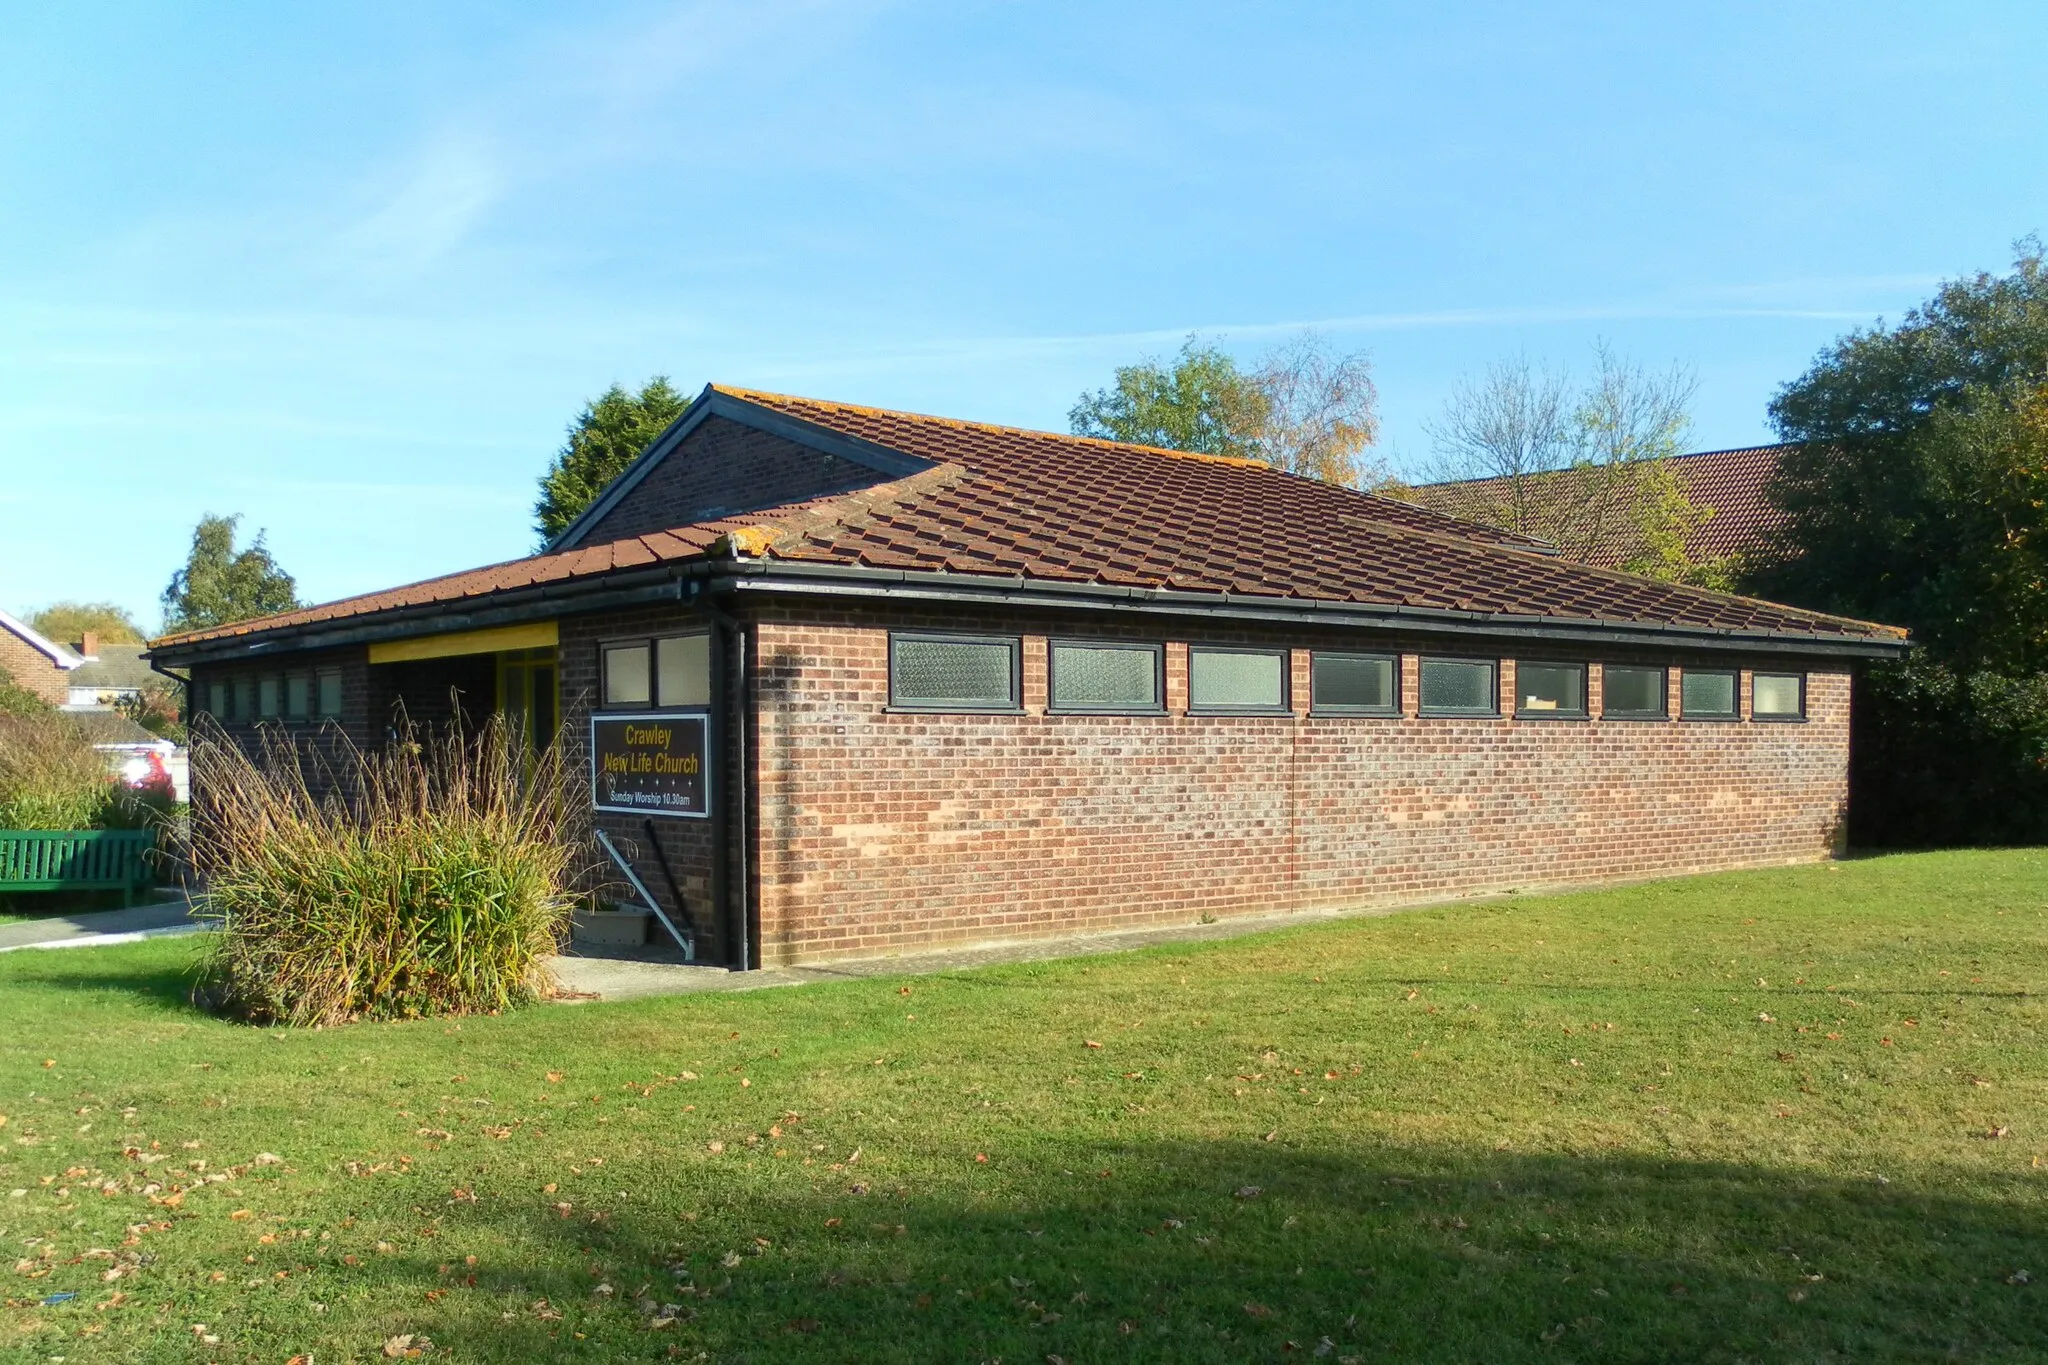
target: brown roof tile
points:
(1730, 483)
(1068, 509)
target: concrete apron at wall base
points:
(590, 980)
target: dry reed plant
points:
(432, 876)
(52, 778)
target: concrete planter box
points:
(610, 928)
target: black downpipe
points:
(736, 686)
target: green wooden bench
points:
(76, 860)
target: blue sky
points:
(349, 270)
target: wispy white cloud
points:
(422, 206)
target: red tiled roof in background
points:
(1064, 509)
(1731, 482)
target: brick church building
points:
(868, 681)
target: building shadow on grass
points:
(147, 976)
(1242, 1251)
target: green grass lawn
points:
(1790, 1115)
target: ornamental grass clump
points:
(52, 778)
(433, 876)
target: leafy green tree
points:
(608, 435)
(1304, 408)
(67, 621)
(1200, 401)
(1921, 499)
(220, 584)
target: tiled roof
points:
(1071, 510)
(1730, 482)
(115, 666)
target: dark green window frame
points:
(1424, 708)
(1523, 711)
(1011, 705)
(1283, 658)
(1777, 717)
(1689, 710)
(1157, 706)
(1608, 711)
(1318, 706)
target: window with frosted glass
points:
(245, 698)
(1708, 695)
(1458, 687)
(1550, 689)
(682, 670)
(1778, 696)
(329, 699)
(298, 696)
(941, 674)
(1087, 677)
(1237, 679)
(627, 676)
(1632, 693)
(217, 700)
(1354, 684)
(269, 696)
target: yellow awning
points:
(533, 635)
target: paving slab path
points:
(97, 928)
(612, 978)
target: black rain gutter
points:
(497, 609)
(668, 583)
(1017, 591)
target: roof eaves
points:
(667, 581)
(1019, 590)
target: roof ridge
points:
(1654, 459)
(1369, 496)
(1003, 429)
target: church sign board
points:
(651, 764)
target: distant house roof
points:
(1040, 515)
(1730, 483)
(115, 667)
(58, 654)
(112, 728)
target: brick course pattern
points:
(32, 670)
(884, 832)
(724, 468)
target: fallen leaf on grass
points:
(240, 1215)
(1089, 1042)
(1257, 1310)
(1247, 1192)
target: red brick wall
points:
(722, 468)
(32, 670)
(882, 832)
(689, 845)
